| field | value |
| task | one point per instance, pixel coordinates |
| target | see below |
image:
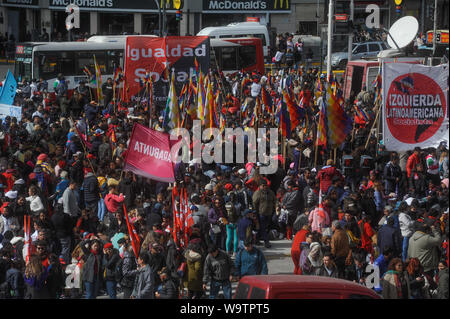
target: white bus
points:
(239, 30)
(47, 59)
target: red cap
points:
(108, 245)
(229, 187)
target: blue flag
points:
(8, 93)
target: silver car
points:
(359, 51)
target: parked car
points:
(359, 51)
(300, 287)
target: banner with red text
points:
(149, 154)
(157, 57)
(415, 105)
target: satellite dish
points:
(403, 32)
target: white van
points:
(239, 30)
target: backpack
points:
(305, 263)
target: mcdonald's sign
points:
(246, 5)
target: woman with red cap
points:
(111, 258)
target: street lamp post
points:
(435, 26)
(350, 35)
(330, 38)
(159, 18)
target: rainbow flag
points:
(209, 109)
(200, 98)
(98, 75)
(339, 124)
(172, 112)
(267, 100)
(295, 112)
(284, 121)
(321, 138)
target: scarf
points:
(398, 284)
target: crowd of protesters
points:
(61, 165)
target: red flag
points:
(135, 241)
(175, 218)
(189, 219)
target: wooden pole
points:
(316, 150)
(373, 125)
(335, 153)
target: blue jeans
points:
(405, 248)
(232, 236)
(264, 224)
(215, 287)
(92, 289)
(111, 286)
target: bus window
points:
(52, 63)
(247, 56)
(261, 36)
(225, 36)
(229, 59)
(83, 59)
(115, 58)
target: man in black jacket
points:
(389, 237)
(63, 231)
(91, 191)
(217, 269)
(328, 269)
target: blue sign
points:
(8, 93)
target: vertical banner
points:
(157, 57)
(415, 105)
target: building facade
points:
(26, 19)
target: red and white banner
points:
(149, 154)
(415, 111)
(157, 57)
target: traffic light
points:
(179, 15)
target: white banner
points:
(10, 110)
(415, 105)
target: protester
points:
(217, 271)
(395, 282)
(250, 261)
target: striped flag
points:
(172, 112)
(98, 76)
(200, 98)
(321, 138)
(339, 124)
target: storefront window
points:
(59, 33)
(215, 20)
(150, 24)
(116, 23)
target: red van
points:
(300, 287)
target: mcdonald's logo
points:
(283, 4)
